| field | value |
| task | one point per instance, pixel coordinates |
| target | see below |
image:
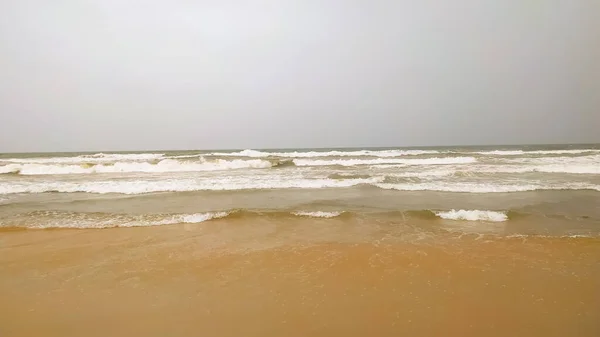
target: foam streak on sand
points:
(473, 215)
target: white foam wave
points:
(318, 214)
(175, 219)
(382, 161)
(313, 154)
(473, 215)
(166, 165)
(272, 182)
(181, 185)
(92, 220)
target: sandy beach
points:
(228, 278)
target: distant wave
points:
(151, 157)
(356, 162)
(393, 153)
(94, 158)
(501, 153)
(124, 156)
(312, 154)
(523, 152)
(170, 165)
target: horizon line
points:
(306, 148)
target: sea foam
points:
(318, 214)
(93, 220)
(180, 185)
(473, 215)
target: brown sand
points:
(236, 280)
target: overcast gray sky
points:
(120, 75)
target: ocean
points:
(527, 184)
(453, 241)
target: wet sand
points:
(233, 278)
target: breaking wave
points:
(56, 219)
(170, 165)
(318, 214)
(473, 215)
(99, 220)
(180, 185)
